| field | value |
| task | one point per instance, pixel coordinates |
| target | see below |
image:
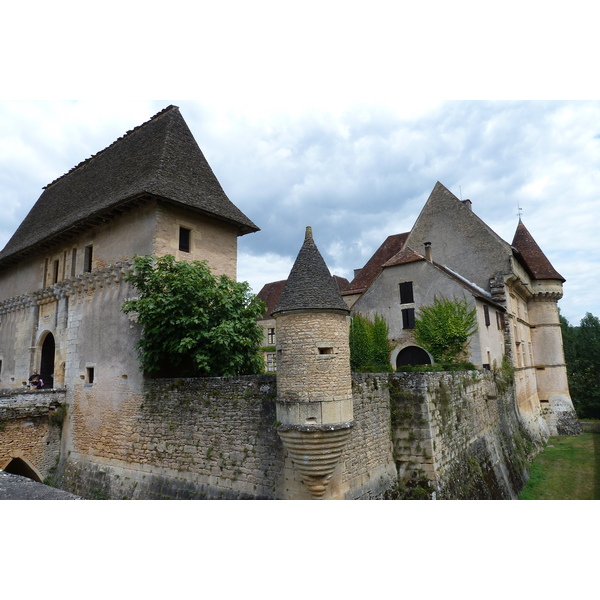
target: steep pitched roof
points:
(531, 255)
(390, 247)
(310, 284)
(159, 158)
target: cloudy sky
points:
(332, 116)
(342, 116)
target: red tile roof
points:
(392, 245)
(270, 294)
(532, 257)
(405, 256)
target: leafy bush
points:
(195, 323)
(444, 329)
(369, 345)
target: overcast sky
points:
(342, 116)
(336, 116)
(356, 175)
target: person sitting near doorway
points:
(35, 381)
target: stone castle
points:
(314, 430)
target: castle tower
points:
(314, 386)
(546, 336)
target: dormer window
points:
(184, 239)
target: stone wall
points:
(212, 438)
(448, 435)
(204, 438)
(460, 433)
(30, 429)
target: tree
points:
(582, 355)
(194, 323)
(369, 345)
(444, 329)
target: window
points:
(184, 239)
(406, 292)
(327, 350)
(500, 320)
(55, 271)
(87, 259)
(271, 336)
(408, 318)
(486, 314)
(89, 375)
(73, 262)
(271, 363)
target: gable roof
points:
(532, 257)
(159, 158)
(390, 247)
(310, 285)
(405, 256)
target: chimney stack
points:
(428, 251)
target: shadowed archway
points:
(412, 355)
(47, 362)
(18, 466)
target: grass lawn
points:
(567, 469)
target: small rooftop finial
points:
(520, 213)
(308, 236)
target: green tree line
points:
(582, 355)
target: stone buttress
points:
(314, 386)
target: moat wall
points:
(458, 435)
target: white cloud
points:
(355, 174)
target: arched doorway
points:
(412, 355)
(47, 362)
(17, 466)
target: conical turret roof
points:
(535, 261)
(310, 285)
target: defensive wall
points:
(443, 435)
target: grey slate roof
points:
(310, 285)
(159, 158)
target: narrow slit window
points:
(486, 314)
(73, 262)
(56, 267)
(87, 260)
(45, 272)
(184, 239)
(327, 350)
(90, 375)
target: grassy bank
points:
(567, 469)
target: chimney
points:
(428, 251)
(468, 204)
